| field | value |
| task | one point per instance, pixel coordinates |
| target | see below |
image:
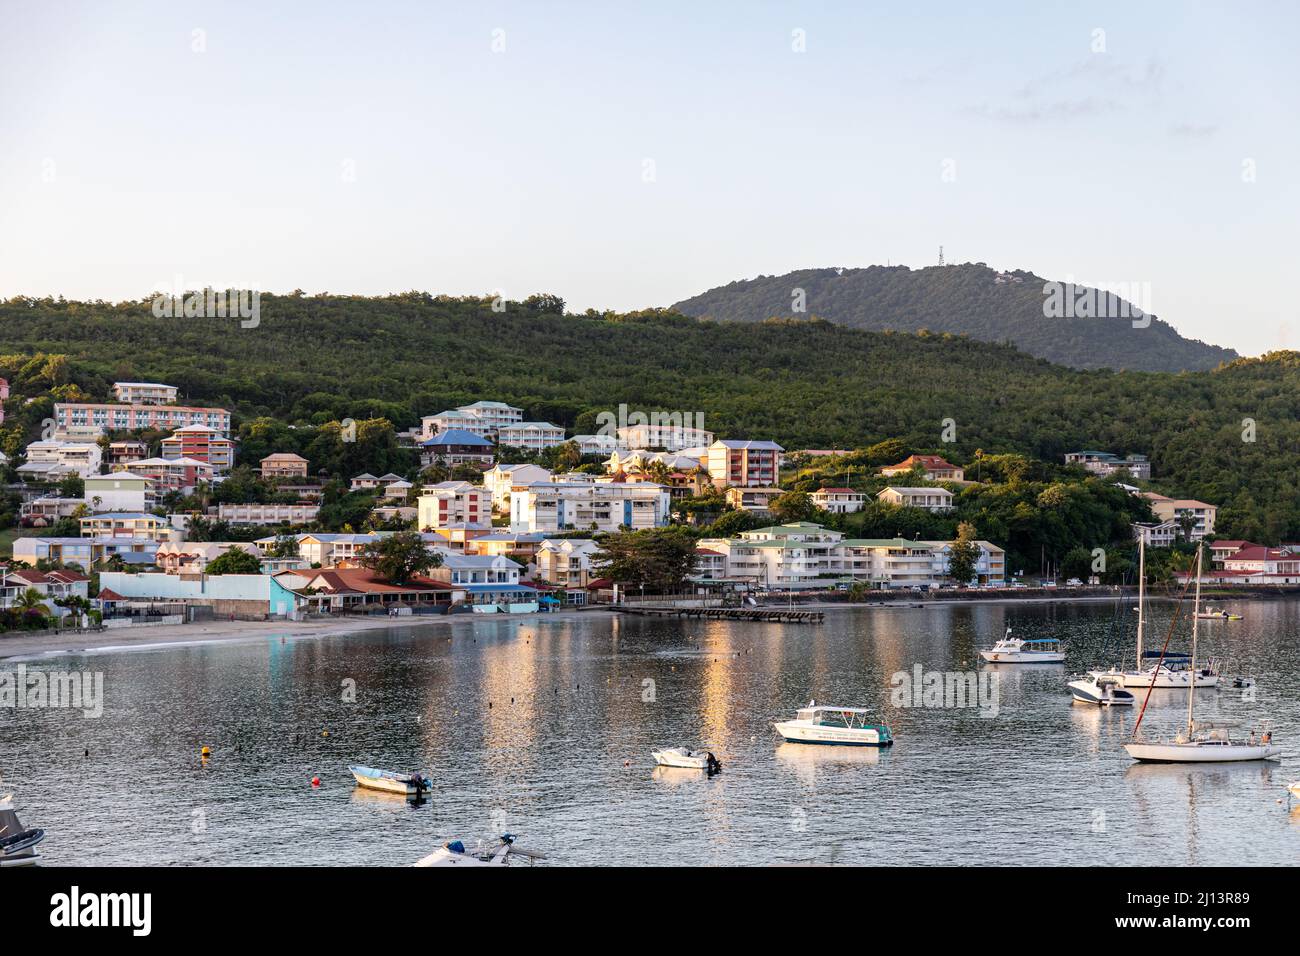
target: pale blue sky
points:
(127, 158)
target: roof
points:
(121, 516)
(1261, 553)
(757, 445)
(365, 581)
(501, 405)
(836, 491)
(284, 456)
(108, 594)
(145, 384)
(457, 436)
(926, 461)
(912, 490)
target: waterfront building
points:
(567, 562)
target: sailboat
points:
(1208, 741)
(1169, 670)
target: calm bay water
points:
(542, 728)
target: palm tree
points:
(31, 600)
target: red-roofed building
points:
(936, 468)
(361, 590)
(52, 585)
(710, 565)
(1220, 551)
(1263, 560)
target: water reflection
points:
(545, 728)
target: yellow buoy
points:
(324, 733)
(205, 752)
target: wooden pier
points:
(777, 615)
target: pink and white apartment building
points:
(89, 420)
(451, 503)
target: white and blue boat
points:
(842, 726)
(1013, 650)
(407, 784)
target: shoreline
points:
(37, 645)
(42, 644)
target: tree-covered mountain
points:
(1229, 436)
(968, 299)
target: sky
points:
(627, 155)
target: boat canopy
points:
(1171, 656)
(1042, 640)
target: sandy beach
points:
(47, 644)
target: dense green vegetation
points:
(314, 361)
(963, 299)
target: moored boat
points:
(17, 843)
(843, 726)
(687, 759)
(1013, 650)
(1104, 690)
(1207, 741)
(454, 853)
(407, 784)
(1210, 614)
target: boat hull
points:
(670, 758)
(1167, 680)
(384, 784)
(1201, 753)
(800, 733)
(1023, 657)
(1086, 692)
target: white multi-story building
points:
(807, 555)
(599, 444)
(267, 514)
(931, 499)
(581, 506)
(1198, 515)
(1105, 464)
(454, 503)
(532, 436)
(325, 550)
(119, 491)
(839, 501)
(144, 393)
(566, 562)
(49, 460)
(735, 463)
(481, 418)
(668, 437)
(501, 479)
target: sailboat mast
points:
(1196, 620)
(1142, 590)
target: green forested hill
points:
(807, 384)
(964, 299)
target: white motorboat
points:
(1208, 741)
(687, 759)
(1012, 650)
(1104, 690)
(453, 853)
(844, 726)
(1154, 669)
(406, 784)
(17, 843)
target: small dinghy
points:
(687, 759)
(1243, 682)
(407, 784)
(453, 853)
(17, 843)
(1211, 614)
